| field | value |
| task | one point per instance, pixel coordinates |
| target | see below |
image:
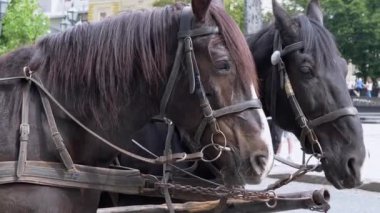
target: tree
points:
(356, 26)
(23, 24)
(235, 8)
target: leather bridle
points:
(307, 126)
(185, 53)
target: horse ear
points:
(200, 8)
(284, 22)
(314, 11)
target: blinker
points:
(276, 57)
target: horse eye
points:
(222, 66)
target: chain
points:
(222, 192)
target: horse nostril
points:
(262, 161)
(259, 162)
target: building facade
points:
(99, 9)
(56, 10)
(89, 10)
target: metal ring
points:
(27, 72)
(217, 146)
(272, 197)
(218, 131)
(210, 160)
(269, 205)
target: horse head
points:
(223, 91)
(305, 91)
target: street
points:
(353, 200)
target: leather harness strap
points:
(24, 131)
(57, 137)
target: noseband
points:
(307, 126)
(185, 52)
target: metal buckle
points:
(24, 128)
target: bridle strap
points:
(240, 107)
(198, 32)
(329, 117)
(172, 79)
(291, 48)
(184, 46)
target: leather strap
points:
(331, 116)
(291, 48)
(198, 32)
(236, 108)
(172, 79)
(56, 135)
(24, 130)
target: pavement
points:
(370, 170)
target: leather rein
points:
(307, 125)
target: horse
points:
(305, 92)
(111, 76)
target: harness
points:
(307, 125)
(69, 174)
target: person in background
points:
(287, 137)
(351, 87)
(359, 85)
(369, 86)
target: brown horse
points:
(112, 75)
(305, 91)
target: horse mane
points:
(97, 66)
(317, 40)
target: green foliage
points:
(23, 24)
(235, 8)
(356, 26)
